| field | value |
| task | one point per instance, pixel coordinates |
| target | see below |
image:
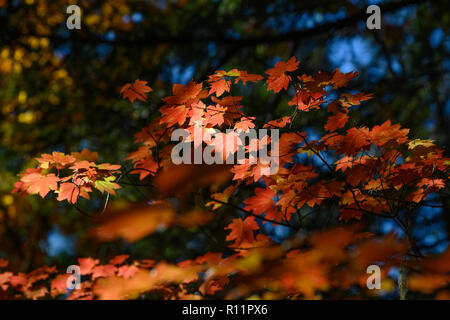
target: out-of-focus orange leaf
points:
(3, 263)
(87, 265)
(180, 179)
(428, 283)
(193, 218)
(135, 222)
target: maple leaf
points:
(242, 231)
(119, 259)
(278, 79)
(381, 135)
(219, 87)
(247, 77)
(344, 163)
(174, 115)
(184, 94)
(87, 264)
(58, 285)
(137, 90)
(337, 121)
(103, 271)
(82, 165)
(435, 184)
(149, 166)
(107, 185)
(127, 272)
(307, 100)
(278, 123)
(214, 115)
(341, 79)
(238, 74)
(39, 183)
(355, 140)
(58, 159)
(70, 192)
(261, 201)
(349, 99)
(245, 124)
(222, 196)
(85, 154)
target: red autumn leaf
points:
(381, 135)
(58, 285)
(137, 90)
(214, 115)
(245, 124)
(244, 77)
(278, 79)
(127, 272)
(39, 183)
(355, 140)
(242, 231)
(337, 121)
(82, 165)
(87, 265)
(341, 79)
(278, 123)
(70, 192)
(58, 159)
(119, 259)
(261, 201)
(3, 263)
(184, 94)
(219, 87)
(85, 154)
(174, 115)
(349, 100)
(103, 271)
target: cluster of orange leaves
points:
(69, 176)
(377, 171)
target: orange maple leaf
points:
(278, 79)
(242, 231)
(137, 90)
(39, 183)
(261, 201)
(219, 87)
(70, 191)
(58, 159)
(337, 121)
